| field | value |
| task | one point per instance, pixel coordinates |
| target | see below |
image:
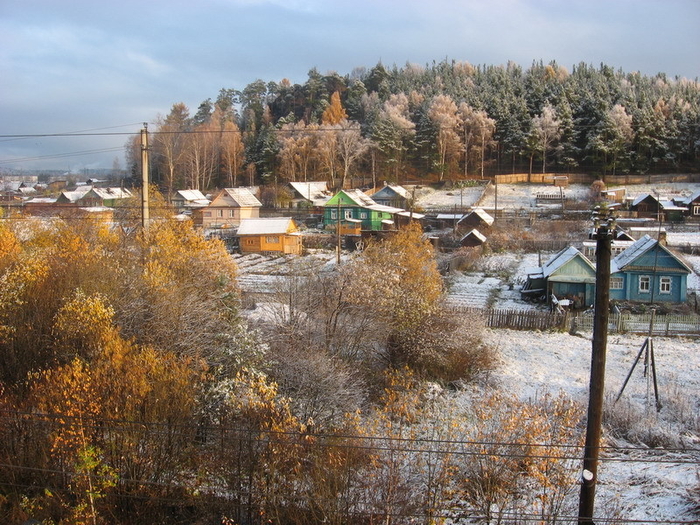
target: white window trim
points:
(662, 281)
(647, 279)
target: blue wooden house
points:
(568, 275)
(648, 271)
(392, 195)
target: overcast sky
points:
(107, 65)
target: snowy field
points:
(519, 196)
(653, 488)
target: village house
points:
(313, 195)
(108, 197)
(227, 209)
(472, 238)
(648, 271)
(476, 218)
(269, 235)
(567, 277)
(392, 195)
(355, 211)
(184, 201)
(691, 203)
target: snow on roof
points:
(475, 233)
(560, 259)
(311, 190)
(192, 195)
(411, 214)
(112, 193)
(42, 200)
(640, 198)
(636, 250)
(450, 216)
(630, 254)
(266, 226)
(360, 198)
(78, 193)
(242, 196)
(399, 190)
(479, 212)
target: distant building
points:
(269, 235)
(227, 209)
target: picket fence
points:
(664, 325)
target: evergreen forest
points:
(444, 121)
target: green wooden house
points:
(355, 212)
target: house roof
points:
(692, 198)
(475, 233)
(359, 198)
(267, 226)
(643, 196)
(110, 193)
(561, 258)
(625, 259)
(74, 195)
(191, 195)
(241, 197)
(389, 190)
(450, 216)
(481, 214)
(313, 191)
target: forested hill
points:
(446, 120)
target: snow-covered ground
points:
(653, 486)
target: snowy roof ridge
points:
(560, 259)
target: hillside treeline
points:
(442, 121)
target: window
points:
(333, 215)
(272, 239)
(219, 213)
(616, 283)
(696, 209)
(644, 284)
(363, 215)
(665, 285)
(348, 214)
(230, 213)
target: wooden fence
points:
(664, 325)
(670, 324)
(517, 319)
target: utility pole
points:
(604, 227)
(144, 176)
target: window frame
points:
(617, 283)
(644, 284)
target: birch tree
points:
(477, 131)
(443, 114)
(169, 144)
(545, 131)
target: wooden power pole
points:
(144, 176)
(604, 227)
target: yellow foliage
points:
(84, 322)
(334, 113)
(397, 278)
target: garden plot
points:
(496, 284)
(473, 290)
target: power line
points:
(61, 155)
